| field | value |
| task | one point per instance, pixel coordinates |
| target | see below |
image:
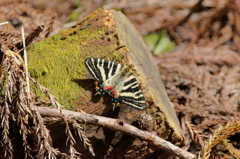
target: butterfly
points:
(116, 80)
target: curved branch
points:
(118, 125)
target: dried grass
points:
(17, 109)
(220, 136)
(17, 112)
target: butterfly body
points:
(118, 81)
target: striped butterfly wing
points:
(100, 69)
(131, 94)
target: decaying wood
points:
(112, 37)
(117, 125)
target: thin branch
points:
(26, 62)
(118, 125)
(4, 23)
(46, 92)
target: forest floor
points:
(201, 74)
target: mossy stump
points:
(58, 64)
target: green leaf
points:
(159, 43)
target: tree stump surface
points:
(58, 64)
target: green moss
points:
(57, 62)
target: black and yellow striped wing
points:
(100, 69)
(132, 95)
(120, 79)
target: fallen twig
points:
(118, 125)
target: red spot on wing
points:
(114, 94)
(108, 87)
